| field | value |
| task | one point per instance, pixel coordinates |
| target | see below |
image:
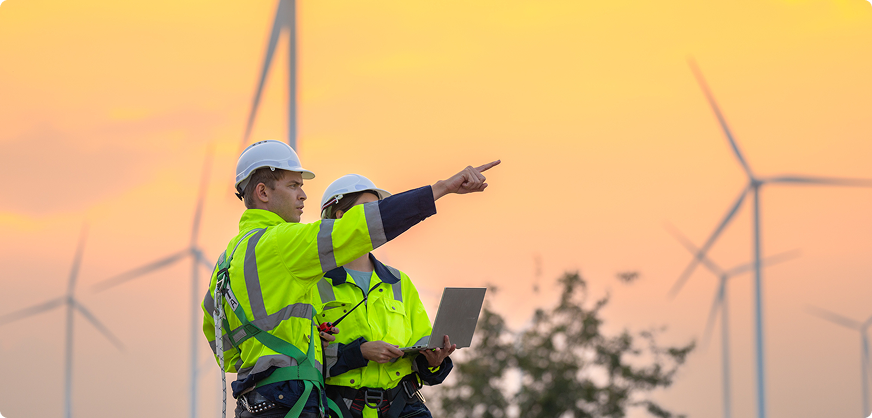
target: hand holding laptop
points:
(380, 351)
(436, 355)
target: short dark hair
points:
(264, 175)
(346, 203)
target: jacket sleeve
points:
(344, 357)
(310, 250)
(432, 375)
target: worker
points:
(367, 374)
(261, 293)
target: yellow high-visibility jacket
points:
(274, 270)
(392, 313)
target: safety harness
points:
(389, 402)
(306, 369)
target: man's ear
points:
(260, 193)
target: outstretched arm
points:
(469, 180)
(312, 249)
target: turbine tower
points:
(198, 260)
(720, 303)
(286, 18)
(863, 328)
(755, 183)
(72, 304)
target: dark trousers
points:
(415, 410)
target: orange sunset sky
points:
(108, 108)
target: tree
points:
(569, 368)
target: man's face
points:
(288, 197)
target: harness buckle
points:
(373, 398)
(412, 390)
(251, 329)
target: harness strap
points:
(305, 371)
(351, 401)
(291, 373)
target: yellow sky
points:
(107, 109)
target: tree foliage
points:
(568, 367)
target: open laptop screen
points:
(456, 317)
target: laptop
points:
(456, 317)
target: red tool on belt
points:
(327, 327)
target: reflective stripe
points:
(265, 362)
(252, 280)
(325, 245)
(331, 355)
(269, 323)
(326, 291)
(209, 303)
(398, 291)
(374, 224)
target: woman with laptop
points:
(375, 309)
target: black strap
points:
(334, 394)
(360, 398)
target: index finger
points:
(488, 166)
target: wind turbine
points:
(864, 344)
(286, 18)
(195, 253)
(72, 305)
(721, 302)
(753, 187)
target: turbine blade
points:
(198, 254)
(865, 347)
(201, 196)
(77, 260)
(290, 21)
(693, 249)
(833, 317)
(97, 324)
(139, 271)
(826, 181)
(866, 364)
(31, 311)
(768, 261)
(702, 83)
(705, 247)
(713, 313)
(278, 24)
(867, 323)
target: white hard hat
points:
(349, 183)
(270, 153)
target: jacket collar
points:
(258, 218)
(338, 275)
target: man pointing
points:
(266, 275)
